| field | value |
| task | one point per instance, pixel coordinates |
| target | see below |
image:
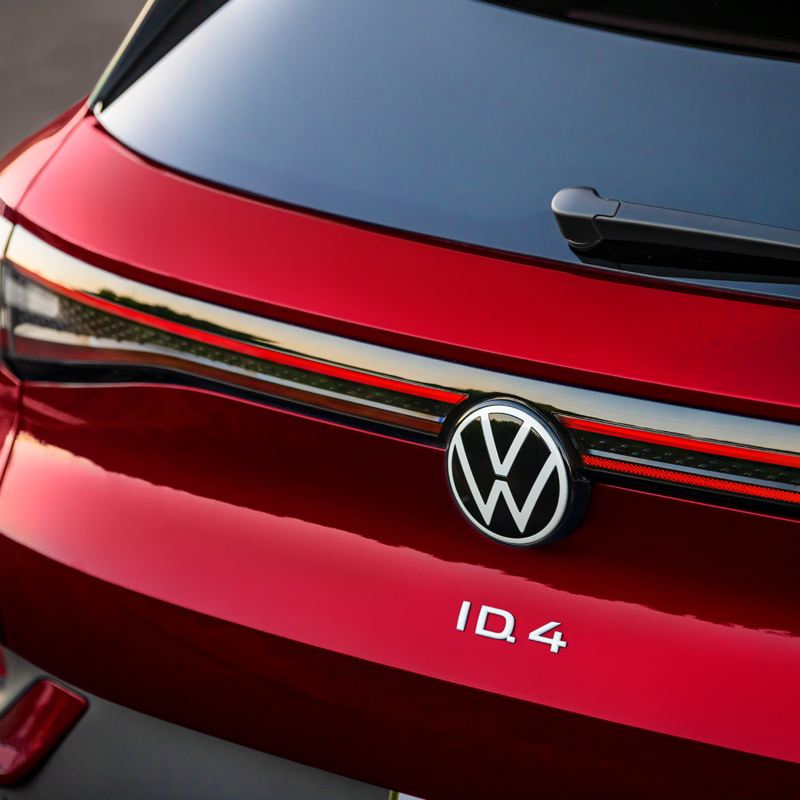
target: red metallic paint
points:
(294, 584)
(20, 166)
(9, 410)
(576, 325)
(264, 536)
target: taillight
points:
(33, 725)
(686, 461)
(64, 317)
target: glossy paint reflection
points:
(347, 542)
(615, 333)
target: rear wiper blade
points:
(594, 225)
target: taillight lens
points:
(33, 725)
(85, 322)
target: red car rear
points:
(336, 430)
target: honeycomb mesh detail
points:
(80, 319)
(673, 456)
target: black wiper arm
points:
(588, 221)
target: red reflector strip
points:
(684, 443)
(33, 726)
(252, 350)
(689, 479)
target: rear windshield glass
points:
(457, 119)
(755, 27)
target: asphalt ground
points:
(51, 54)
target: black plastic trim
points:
(587, 221)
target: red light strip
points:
(690, 479)
(255, 351)
(684, 443)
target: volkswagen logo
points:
(511, 476)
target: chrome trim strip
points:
(40, 258)
(47, 262)
(700, 446)
(76, 341)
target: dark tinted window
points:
(461, 119)
(742, 25)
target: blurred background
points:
(51, 54)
